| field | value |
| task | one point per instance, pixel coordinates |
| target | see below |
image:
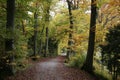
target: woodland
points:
(85, 32)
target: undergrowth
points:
(77, 60)
(100, 73)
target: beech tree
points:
(70, 42)
(35, 29)
(88, 65)
(47, 5)
(9, 42)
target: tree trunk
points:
(35, 33)
(9, 42)
(46, 44)
(71, 27)
(88, 65)
(41, 43)
(75, 4)
(23, 27)
(40, 50)
(47, 16)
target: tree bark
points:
(88, 65)
(9, 42)
(71, 27)
(35, 33)
(46, 44)
(41, 42)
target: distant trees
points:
(46, 18)
(39, 38)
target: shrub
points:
(77, 60)
(111, 51)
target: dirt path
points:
(48, 70)
(51, 69)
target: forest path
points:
(51, 69)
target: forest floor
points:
(51, 69)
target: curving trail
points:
(51, 69)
